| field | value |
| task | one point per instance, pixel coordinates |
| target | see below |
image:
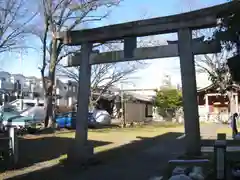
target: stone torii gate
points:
(185, 48)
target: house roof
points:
(212, 86)
(205, 88)
(33, 78)
(14, 75)
(4, 72)
(106, 96)
(69, 82)
(140, 97)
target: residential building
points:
(5, 76)
(18, 78)
(5, 83)
(32, 87)
(67, 92)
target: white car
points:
(37, 112)
(101, 117)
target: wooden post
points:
(206, 106)
(236, 101)
(220, 147)
(13, 143)
(189, 90)
(81, 150)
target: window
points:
(74, 89)
(30, 104)
(9, 109)
(3, 79)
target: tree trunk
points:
(231, 105)
(49, 107)
(49, 119)
(46, 110)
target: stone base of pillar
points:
(80, 155)
(193, 147)
(191, 153)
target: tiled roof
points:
(17, 75)
(212, 86)
(140, 97)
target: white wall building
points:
(5, 83)
(18, 77)
(32, 86)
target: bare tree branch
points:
(59, 15)
(14, 21)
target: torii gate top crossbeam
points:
(202, 18)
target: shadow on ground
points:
(141, 159)
(40, 149)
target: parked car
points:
(68, 120)
(37, 112)
(11, 118)
(26, 103)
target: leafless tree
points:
(107, 75)
(215, 66)
(15, 16)
(56, 16)
(104, 76)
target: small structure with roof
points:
(136, 107)
(213, 105)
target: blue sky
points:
(128, 10)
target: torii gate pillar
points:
(81, 151)
(189, 91)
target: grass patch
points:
(139, 127)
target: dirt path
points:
(141, 165)
(141, 159)
(209, 131)
(148, 163)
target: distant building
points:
(32, 87)
(166, 81)
(5, 83)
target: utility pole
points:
(122, 106)
(21, 83)
(3, 99)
